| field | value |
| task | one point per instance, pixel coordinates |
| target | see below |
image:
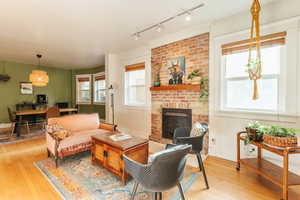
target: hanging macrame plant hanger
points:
(254, 64)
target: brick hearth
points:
(195, 51)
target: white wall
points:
(223, 128)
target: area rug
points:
(76, 178)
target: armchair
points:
(163, 173)
(182, 136)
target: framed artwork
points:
(178, 63)
(176, 67)
(26, 88)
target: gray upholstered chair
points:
(162, 173)
(182, 136)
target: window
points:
(237, 88)
(99, 88)
(83, 89)
(135, 90)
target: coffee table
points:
(109, 154)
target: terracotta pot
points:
(281, 141)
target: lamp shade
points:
(39, 78)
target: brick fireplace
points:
(195, 50)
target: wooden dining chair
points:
(13, 119)
(52, 112)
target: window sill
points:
(83, 103)
(136, 106)
(257, 115)
(100, 103)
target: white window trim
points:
(77, 87)
(133, 105)
(290, 59)
(106, 92)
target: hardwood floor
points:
(20, 179)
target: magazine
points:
(120, 137)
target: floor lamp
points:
(111, 91)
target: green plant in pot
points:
(280, 137)
(254, 133)
(203, 82)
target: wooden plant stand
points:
(277, 175)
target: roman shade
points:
(83, 79)
(100, 77)
(135, 67)
(275, 39)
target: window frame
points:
(280, 81)
(94, 91)
(77, 77)
(134, 67)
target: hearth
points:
(174, 118)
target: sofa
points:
(80, 128)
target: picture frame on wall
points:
(26, 88)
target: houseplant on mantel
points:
(271, 135)
(203, 82)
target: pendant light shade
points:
(39, 78)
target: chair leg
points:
(27, 127)
(181, 191)
(136, 184)
(154, 196)
(48, 153)
(160, 195)
(201, 166)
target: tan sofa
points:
(81, 127)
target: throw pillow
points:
(57, 131)
(51, 128)
(197, 130)
(61, 134)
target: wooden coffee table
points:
(109, 154)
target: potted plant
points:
(203, 79)
(254, 133)
(280, 137)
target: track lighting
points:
(159, 26)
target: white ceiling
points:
(77, 33)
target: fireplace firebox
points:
(173, 118)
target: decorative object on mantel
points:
(254, 68)
(26, 88)
(276, 136)
(39, 78)
(4, 77)
(157, 77)
(203, 83)
(176, 67)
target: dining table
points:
(21, 113)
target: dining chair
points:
(182, 136)
(164, 172)
(52, 112)
(13, 119)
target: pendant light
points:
(39, 78)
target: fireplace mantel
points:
(177, 87)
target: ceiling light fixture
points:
(188, 16)
(159, 26)
(137, 36)
(39, 78)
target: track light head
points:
(159, 28)
(137, 36)
(188, 16)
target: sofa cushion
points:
(77, 122)
(79, 137)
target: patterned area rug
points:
(76, 178)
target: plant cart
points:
(277, 175)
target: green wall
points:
(58, 89)
(87, 108)
(61, 87)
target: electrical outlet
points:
(213, 141)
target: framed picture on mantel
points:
(26, 88)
